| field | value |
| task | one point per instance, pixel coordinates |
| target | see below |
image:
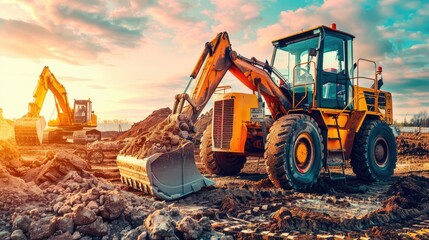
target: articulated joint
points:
(180, 101)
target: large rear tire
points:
(374, 152)
(219, 163)
(294, 152)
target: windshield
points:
(82, 112)
(290, 55)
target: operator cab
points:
(82, 111)
(318, 64)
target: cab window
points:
(333, 55)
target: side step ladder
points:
(336, 157)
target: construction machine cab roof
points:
(311, 33)
(317, 60)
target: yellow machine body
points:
(231, 114)
(29, 128)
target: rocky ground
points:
(47, 192)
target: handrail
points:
(303, 84)
(375, 89)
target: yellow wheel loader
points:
(70, 122)
(322, 114)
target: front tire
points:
(374, 152)
(219, 163)
(294, 152)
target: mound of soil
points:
(153, 119)
(409, 192)
(9, 155)
(56, 167)
(415, 144)
(6, 128)
(165, 136)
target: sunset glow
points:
(132, 57)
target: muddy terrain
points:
(53, 192)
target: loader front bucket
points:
(29, 130)
(167, 176)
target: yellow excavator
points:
(323, 113)
(70, 122)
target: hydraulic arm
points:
(215, 61)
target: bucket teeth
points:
(167, 176)
(29, 131)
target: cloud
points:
(97, 86)
(157, 93)
(72, 31)
(235, 15)
(73, 79)
(174, 20)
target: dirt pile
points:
(201, 124)
(55, 167)
(409, 192)
(143, 126)
(295, 218)
(9, 156)
(416, 144)
(6, 128)
(14, 190)
(82, 206)
(166, 136)
(170, 223)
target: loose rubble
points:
(166, 136)
(416, 144)
(156, 117)
(55, 196)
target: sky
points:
(131, 57)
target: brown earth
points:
(63, 198)
(416, 144)
(156, 117)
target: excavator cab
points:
(319, 60)
(82, 111)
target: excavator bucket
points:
(167, 176)
(29, 130)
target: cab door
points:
(334, 82)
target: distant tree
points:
(420, 119)
(405, 121)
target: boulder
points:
(82, 215)
(98, 228)
(65, 223)
(113, 207)
(18, 235)
(43, 228)
(4, 235)
(21, 222)
(137, 215)
(134, 233)
(190, 228)
(160, 225)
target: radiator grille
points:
(223, 117)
